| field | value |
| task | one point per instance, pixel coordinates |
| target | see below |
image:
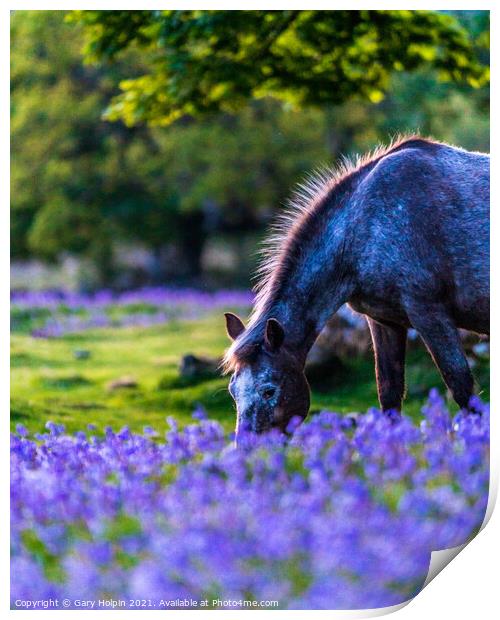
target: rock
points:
(81, 354)
(193, 366)
(344, 336)
(122, 382)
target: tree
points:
(202, 62)
(81, 185)
(71, 183)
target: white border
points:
(469, 585)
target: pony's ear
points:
(274, 335)
(234, 325)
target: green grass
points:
(48, 383)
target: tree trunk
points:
(192, 238)
(101, 256)
(339, 135)
(157, 268)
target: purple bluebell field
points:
(52, 314)
(343, 515)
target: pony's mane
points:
(289, 228)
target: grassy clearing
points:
(49, 383)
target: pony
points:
(402, 236)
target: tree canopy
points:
(209, 61)
(82, 185)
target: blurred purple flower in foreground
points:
(336, 518)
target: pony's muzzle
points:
(251, 422)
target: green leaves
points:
(205, 61)
(254, 98)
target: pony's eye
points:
(268, 393)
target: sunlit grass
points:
(49, 383)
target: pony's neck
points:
(302, 322)
(306, 300)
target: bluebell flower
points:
(333, 517)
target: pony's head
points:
(268, 383)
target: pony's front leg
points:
(389, 345)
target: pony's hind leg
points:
(389, 344)
(442, 339)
